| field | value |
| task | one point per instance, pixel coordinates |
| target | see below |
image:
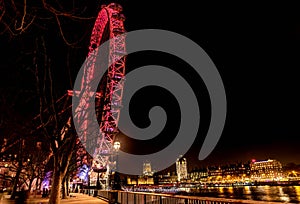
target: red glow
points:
(111, 16)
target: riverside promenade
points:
(76, 198)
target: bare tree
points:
(36, 159)
(15, 130)
(79, 158)
(54, 120)
(37, 23)
(17, 18)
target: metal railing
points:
(124, 197)
(153, 198)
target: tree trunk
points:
(61, 163)
(56, 185)
(64, 188)
(37, 184)
(15, 185)
(19, 170)
(68, 186)
(30, 184)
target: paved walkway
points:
(75, 199)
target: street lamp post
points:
(89, 177)
(117, 146)
(98, 180)
(116, 182)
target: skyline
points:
(256, 52)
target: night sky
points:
(256, 49)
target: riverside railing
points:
(125, 197)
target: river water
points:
(286, 194)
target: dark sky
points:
(256, 49)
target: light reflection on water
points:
(286, 194)
(297, 191)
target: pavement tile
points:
(75, 199)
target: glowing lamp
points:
(117, 145)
